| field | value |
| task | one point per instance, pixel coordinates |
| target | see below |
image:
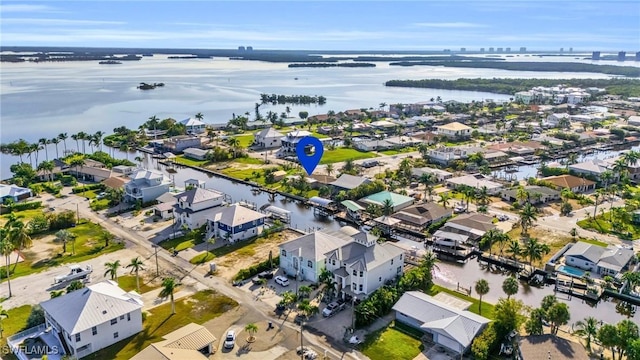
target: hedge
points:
(79, 189)
(256, 269)
(25, 206)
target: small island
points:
(325, 65)
(110, 62)
(145, 86)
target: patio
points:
(36, 342)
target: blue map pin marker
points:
(309, 161)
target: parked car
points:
(266, 275)
(370, 163)
(230, 340)
(332, 309)
(256, 280)
(282, 281)
(503, 217)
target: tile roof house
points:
(547, 346)
(571, 182)
(194, 206)
(536, 194)
(95, 317)
(454, 130)
(611, 260)
(449, 326)
(234, 223)
(192, 341)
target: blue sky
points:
(325, 25)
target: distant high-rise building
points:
(622, 56)
(241, 48)
(249, 48)
(595, 55)
(499, 49)
(570, 49)
(523, 49)
(481, 49)
(508, 49)
(463, 49)
(561, 49)
(490, 49)
(446, 50)
(638, 56)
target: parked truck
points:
(75, 273)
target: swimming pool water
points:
(571, 271)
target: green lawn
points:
(246, 247)
(248, 160)
(397, 151)
(16, 322)
(24, 215)
(487, 309)
(128, 283)
(181, 159)
(245, 140)
(245, 174)
(391, 342)
(594, 242)
(86, 246)
(344, 154)
(602, 225)
(202, 258)
(188, 240)
(198, 308)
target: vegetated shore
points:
(629, 71)
(326, 65)
(624, 87)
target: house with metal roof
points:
(14, 192)
(146, 186)
(476, 181)
(548, 346)
(447, 322)
(420, 216)
(234, 223)
(195, 153)
(594, 167)
(474, 226)
(93, 318)
(192, 341)
(268, 138)
(348, 182)
(194, 206)
(398, 201)
(193, 125)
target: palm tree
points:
(252, 329)
(44, 142)
(534, 250)
(444, 199)
(112, 269)
(19, 237)
(106, 237)
(199, 116)
(3, 315)
(76, 138)
(83, 136)
(631, 158)
(234, 143)
(304, 291)
(168, 287)
(510, 286)
(329, 169)
(56, 141)
(136, 265)
(64, 236)
(514, 249)
(387, 207)
(427, 180)
(528, 215)
(47, 167)
(75, 285)
(64, 137)
(491, 237)
(587, 329)
(482, 288)
(97, 139)
(6, 249)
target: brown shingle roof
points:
(545, 347)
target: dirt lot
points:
(251, 254)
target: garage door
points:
(448, 342)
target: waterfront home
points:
(145, 186)
(194, 206)
(555, 120)
(91, 173)
(362, 266)
(447, 154)
(399, 142)
(441, 175)
(397, 201)
(177, 144)
(517, 148)
(268, 138)
(535, 194)
(571, 182)
(121, 170)
(115, 182)
(348, 182)
(496, 157)
(304, 256)
(420, 216)
(474, 226)
(193, 125)
(353, 209)
(373, 145)
(549, 346)
(235, 223)
(192, 341)
(444, 319)
(594, 167)
(90, 319)
(14, 192)
(476, 181)
(195, 153)
(454, 130)
(612, 260)
(290, 141)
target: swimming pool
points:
(571, 271)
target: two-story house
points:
(193, 125)
(194, 206)
(304, 257)
(234, 223)
(93, 318)
(145, 186)
(454, 130)
(290, 142)
(362, 266)
(268, 139)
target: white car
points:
(230, 340)
(282, 281)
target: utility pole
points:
(301, 347)
(77, 212)
(155, 247)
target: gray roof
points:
(195, 151)
(346, 181)
(85, 308)
(615, 258)
(269, 132)
(586, 251)
(478, 223)
(532, 189)
(12, 190)
(236, 214)
(198, 195)
(314, 245)
(435, 315)
(422, 213)
(361, 257)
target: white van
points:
(282, 281)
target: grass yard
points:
(248, 160)
(392, 342)
(344, 154)
(202, 258)
(397, 151)
(189, 240)
(245, 140)
(487, 309)
(181, 159)
(198, 308)
(593, 242)
(128, 283)
(602, 225)
(16, 322)
(555, 241)
(24, 215)
(246, 174)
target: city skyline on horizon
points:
(338, 26)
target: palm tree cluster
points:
(622, 338)
(13, 236)
(551, 312)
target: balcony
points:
(36, 342)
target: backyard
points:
(344, 154)
(396, 341)
(16, 322)
(603, 225)
(198, 308)
(487, 308)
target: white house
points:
(476, 181)
(361, 266)
(14, 192)
(195, 153)
(440, 175)
(193, 206)
(454, 130)
(597, 259)
(290, 141)
(268, 138)
(95, 317)
(146, 185)
(447, 154)
(443, 318)
(554, 120)
(193, 125)
(192, 341)
(594, 167)
(235, 223)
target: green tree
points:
(252, 329)
(19, 237)
(514, 249)
(6, 249)
(587, 329)
(387, 207)
(508, 315)
(633, 350)
(510, 286)
(534, 250)
(168, 287)
(528, 216)
(482, 289)
(75, 285)
(112, 269)
(558, 315)
(106, 237)
(609, 338)
(533, 326)
(627, 332)
(136, 265)
(444, 199)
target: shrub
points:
(436, 225)
(485, 343)
(68, 180)
(36, 317)
(62, 220)
(25, 206)
(255, 269)
(38, 225)
(79, 189)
